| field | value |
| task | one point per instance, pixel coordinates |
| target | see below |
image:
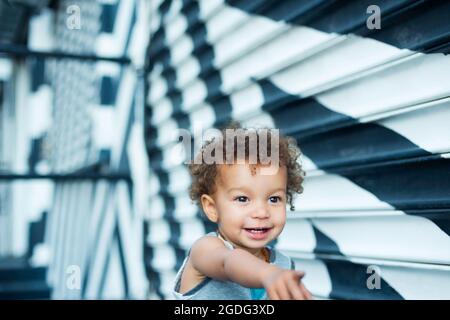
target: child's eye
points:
(275, 199)
(241, 199)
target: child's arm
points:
(211, 258)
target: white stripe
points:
(317, 279)
(255, 31)
(65, 245)
(190, 232)
(195, 92)
(340, 194)
(222, 22)
(280, 49)
(418, 284)
(85, 215)
(297, 235)
(106, 68)
(209, 7)
(103, 120)
(114, 287)
(342, 60)
(5, 68)
(105, 236)
(167, 279)
(202, 118)
(41, 35)
(139, 168)
(404, 238)
(174, 9)
(156, 208)
(175, 28)
(163, 258)
(247, 101)
(181, 49)
(113, 45)
(130, 231)
(186, 71)
(62, 213)
(435, 118)
(184, 210)
(54, 229)
(123, 107)
(158, 233)
(395, 87)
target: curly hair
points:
(204, 174)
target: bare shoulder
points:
(206, 244)
(208, 255)
(204, 260)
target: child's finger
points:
(300, 274)
(273, 295)
(305, 292)
(283, 292)
(295, 291)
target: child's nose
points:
(261, 212)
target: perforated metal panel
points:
(370, 110)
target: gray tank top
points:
(212, 289)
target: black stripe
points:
(108, 17)
(349, 281)
(372, 156)
(416, 25)
(37, 73)
(116, 244)
(343, 273)
(36, 233)
(108, 91)
(390, 183)
(151, 136)
(441, 217)
(90, 261)
(324, 244)
(213, 82)
(122, 261)
(152, 275)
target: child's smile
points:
(258, 233)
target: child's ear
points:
(209, 207)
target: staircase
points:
(19, 280)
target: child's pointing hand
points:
(282, 284)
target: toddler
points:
(246, 197)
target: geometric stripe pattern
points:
(83, 117)
(368, 108)
(102, 235)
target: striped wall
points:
(369, 108)
(98, 124)
(5, 157)
(80, 117)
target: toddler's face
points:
(251, 209)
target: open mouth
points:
(257, 233)
(257, 230)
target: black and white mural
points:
(366, 100)
(93, 194)
(78, 122)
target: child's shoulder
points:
(207, 242)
